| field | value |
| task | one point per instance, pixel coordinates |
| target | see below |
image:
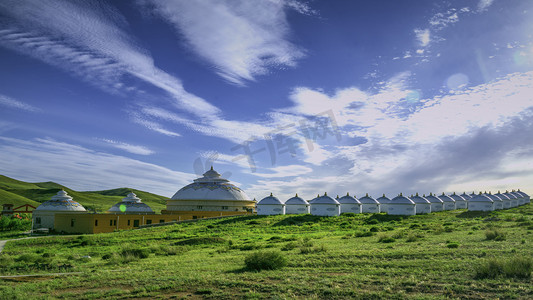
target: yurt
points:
(422, 205)
(498, 202)
(296, 206)
(436, 203)
(44, 215)
(401, 205)
(369, 204)
(460, 202)
(514, 199)
(270, 206)
(311, 201)
(325, 206)
(383, 203)
(480, 202)
(521, 200)
(349, 204)
(506, 200)
(447, 202)
(526, 196)
(131, 204)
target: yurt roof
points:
(368, 200)
(348, 200)
(60, 202)
(270, 200)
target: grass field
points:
(450, 254)
(19, 193)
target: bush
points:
(308, 250)
(494, 234)
(289, 246)
(138, 253)
(15, 222)
(265, 260)
(364, 233)
(453, 245)
(518, 267)
(386, 239)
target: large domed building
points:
(209, 196)
(44, 215)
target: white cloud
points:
(285, 171)
(135, 149)
(85, 169)
(423, 36)
(484, 4)
(12, 103)
(242, 39)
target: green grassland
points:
(364, 256)
(20, 193)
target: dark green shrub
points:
(453, 245)
(138, 253)
(265, 260)
(374, 229)
(363, 233)
(348, 214)
(372, 222)
(494, 234)
(289, 246)
(386, 239)
(29, 257)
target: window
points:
(114, 222)
(194, 217)
(161, 221)
(199, 207)
(71, 222)
(224, 207)
(38, 220)
(110, 222)
(148, 222)
(129, 222)
(135, 223)
(95, 222)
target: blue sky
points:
(281, 96)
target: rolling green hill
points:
(20, 192)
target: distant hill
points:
(19, 193)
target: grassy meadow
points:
(453, 254)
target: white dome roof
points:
(517, 195)
(433, 199)
(456, 197)
(368, 200)
(502, 196)
(523, 194)
(348, 199)
(419, 199)
(383, 199)
(60, 202)
(270, 200)
(211, 187)
(296, 201)
(400, 199)
(325, 200)
(130, 204)
(465, 196)
(511, 196)
(445, 198)
(480, 198)
(493, 197)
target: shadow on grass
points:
(299, 220)
(474, 214)
(384, 218)
(240, 219)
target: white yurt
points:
(526, 196)
(44, 215)
(460, 202)
(296, 206)
(131, 204)
(521, 200)
(447, 201)
(349, 204)
(311, 201)
(369, 204)
(514, 199)
(270, 206)
(498, 202)
(325, 206)
(506, 200)
(422, 205)
(480, 202)
(436, 203)
(401, 205)
(383, 203)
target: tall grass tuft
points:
(494, 234)
(265, 260)
(517, 267)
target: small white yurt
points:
(506, 200)
(383, 203)
(521, 200)
(131, 204)
(422, 205)
(311, 201)
(369, 204)
(498, 202)
(447, 201)
(460, 202)
(296, 206)
(514, 200)
(349, 204)
(526, 196)
(44, 215)
(480, 202)
(270, 206)
(401, 205)
(325, 206)
(436, 203)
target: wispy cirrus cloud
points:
(241, 39)
(135, 149)
(484, 4)
(16, 104)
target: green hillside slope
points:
(20, 192)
